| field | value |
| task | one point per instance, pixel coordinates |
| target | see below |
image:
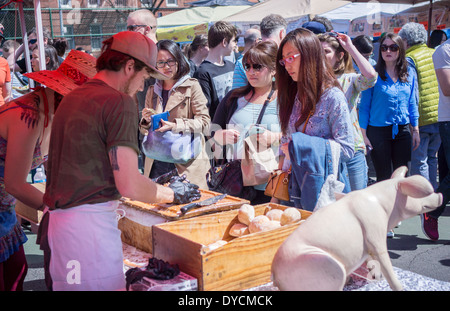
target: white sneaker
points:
(390, 234)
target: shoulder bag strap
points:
(263, 109)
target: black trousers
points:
(388, 154)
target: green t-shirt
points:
(89, 121)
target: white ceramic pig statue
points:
(335, 240)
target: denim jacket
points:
(312, 161)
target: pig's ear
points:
(339, 195)
(400, 172)
(415, 186)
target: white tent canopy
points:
(199, 15)
(341, 17)
(289, 9)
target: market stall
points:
(385, 22)
(182, 34)
(371, 11)
(222, 246)
(182, 26)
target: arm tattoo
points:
(113, 157)
(30, 109)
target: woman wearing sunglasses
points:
(182, 97)
(339, 51)
(310, 99)
(388, 112)
(238, 112)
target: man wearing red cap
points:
(93, 163)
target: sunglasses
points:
(256, 67)
(288, 59)
(134, 27)
(32, 41)
(392, 47)
(170, 62)
(333, 34)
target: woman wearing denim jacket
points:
(339, 51)
(388, 112)
(310, 99)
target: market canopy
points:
(342, 17)
(430, 8)
(220, 2)
(182, 34)
(289, 9)
(435, 15)
(394, 1)
(199, 15)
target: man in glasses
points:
(144, 22)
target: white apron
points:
(86, 248)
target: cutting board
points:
(172, 212)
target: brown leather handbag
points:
(278, 185)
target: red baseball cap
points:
(140, 47)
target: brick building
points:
(84, 23)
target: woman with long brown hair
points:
(388, 112)
(310, 99)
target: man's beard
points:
(127, 90)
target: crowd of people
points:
(306, 89)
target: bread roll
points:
(238, 230)
(246, 214)
(263, 223)
(290, 215)
(274, 214)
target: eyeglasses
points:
(288, 59)
(32, 41)
(392, 48)
(170, 62)
(256, 67)
(134, 27)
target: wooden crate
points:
(137, 230)
(31, 214)
(241, 263)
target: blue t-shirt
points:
(239, 76)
